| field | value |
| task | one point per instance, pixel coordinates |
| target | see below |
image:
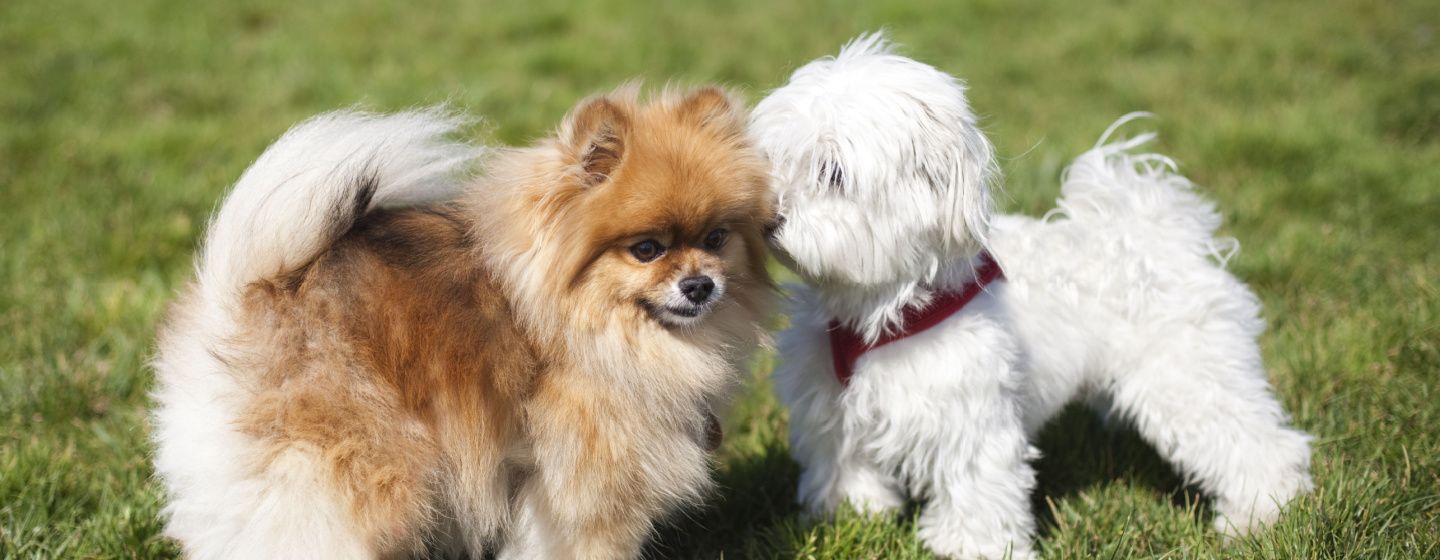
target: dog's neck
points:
(875, 309)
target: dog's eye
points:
(832, 176)
(647, 250)
(715, 239)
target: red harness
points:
(846, 345)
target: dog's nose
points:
(697, 288)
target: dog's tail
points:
(310, 187)
(1142, 200)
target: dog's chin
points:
(842, 270)
(676, 315)
(777, 250)
(808, 274)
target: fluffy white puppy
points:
(883, 191)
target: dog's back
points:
(296, 403)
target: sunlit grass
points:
(1315, 125)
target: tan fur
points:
(493, 361)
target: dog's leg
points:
(286, 472)
(533, 535)
(605, 467)
(589, 511)
(862, 484)
(945, 406)
(294, 507)
(366, 467)
(835, 472)
(1200, 396)
(980, 483)
(566, 516)
(833, 467)
(286, 511)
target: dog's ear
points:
(712, 107)
(964, 181)
(598, 130)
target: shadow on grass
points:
(755, 497)
(1079, 451)
(754, 493)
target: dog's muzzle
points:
(697, 289)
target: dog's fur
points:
(883, 185)
(345, 379)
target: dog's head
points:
(880, 172)
(644, 212)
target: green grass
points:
(1316, 125)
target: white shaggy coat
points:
(882, 182)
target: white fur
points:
(832, 117)
(298, 198)
(1116, 298)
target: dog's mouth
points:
(688, 312)
(675, 315)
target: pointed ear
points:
(711, 106)
(598, 132)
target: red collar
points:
(846, 345)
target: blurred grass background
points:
(1316, 125)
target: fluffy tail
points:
(311, 186)
(1142, 199)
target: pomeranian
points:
(528, 370)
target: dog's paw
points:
(1235, 527)
(955, 546)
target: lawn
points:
(1315, 125)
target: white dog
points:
(898, 383)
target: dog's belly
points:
(1089, 302)
(1070, 301)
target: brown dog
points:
(529, 370)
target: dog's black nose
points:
(697, 288)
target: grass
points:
(1316, 125)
